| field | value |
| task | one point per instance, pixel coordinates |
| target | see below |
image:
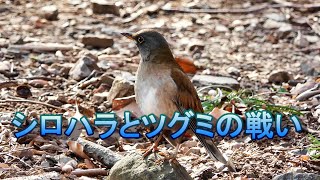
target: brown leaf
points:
(132, 107)
(26, 153)
(217, 113)
(89, 164)
(304, 158)
(88, 112)
(187, 65)
(119, 103)
(3, 165)
(77, 149)
(38, 83)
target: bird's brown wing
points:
(187, 98)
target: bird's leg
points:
(154, 145)
(175, 154)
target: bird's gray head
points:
(152, 45)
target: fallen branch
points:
(309, 93)
(100, 153)
(43, 78)
(90, 172)
(49, 175)
(252, 9)
(30, 101)
(42, 47)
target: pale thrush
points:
(163, 88)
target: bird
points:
(161, 87)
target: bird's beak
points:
(128, 35)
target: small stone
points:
(233, 71)
(293, 175)
(272, 24)
(195, 46)
(5, 66)
(106, 79)
(53, 100)
(237, 145)
(300, 41)
(311, 68)
(50, 12)
(120, 88)
(280, 77)
(83, 67)
(299, 151)
(285, 28)
(4, 42)
(16, 40)
(221, 28)
(63, 159)
(217, 80)
(238, 28)
(102, 108)
(219, 165)
(104, 7)
(193, 150)
(312, 39)
(134, 166)
(276, 17)
(189, 144)
(153, 8)
(99, 98)
(97, 41)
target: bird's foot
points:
(167, 157)
(153, 148)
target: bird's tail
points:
(211, 148)
(208, 143)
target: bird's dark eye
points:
(140, 40)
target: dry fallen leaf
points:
(304, 158)
(89, 164)
(3, 165)
(77, 149)
(119, 103)
(132, 107)
(217, 113)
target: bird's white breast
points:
(155, 93)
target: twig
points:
(82, 81)
(309, 49)
(307, 94)
(252, 9)
(42, 77)
(214, 86)
(15, 150)
(90, 172)
(141, 12)
(311, 131)
(8, 84)
(14, 157)
(32, 102)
